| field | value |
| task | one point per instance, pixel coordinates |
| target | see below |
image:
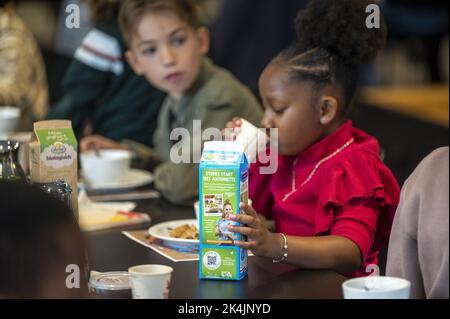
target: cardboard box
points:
(223, 180)
(53, 155)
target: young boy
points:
(167, 45)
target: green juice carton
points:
(223, 182)
(53, 155)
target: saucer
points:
(134, 178)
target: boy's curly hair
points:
(132, 11)
(332, 40)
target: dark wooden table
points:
(112, 251)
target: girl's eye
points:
(149, 51)
(177, 41)
(279, 111)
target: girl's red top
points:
(338, 186)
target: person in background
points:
(39, 238)
(23, 81)
(168, 46)
(332, 199)
(102, 94)
(247, 34)
(418, 246)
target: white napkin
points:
(92, 213)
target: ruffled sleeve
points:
(358, 177)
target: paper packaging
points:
(253, 139)
(53, 155)
(223, 180)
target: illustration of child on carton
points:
(222, 224)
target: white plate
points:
(134, 178)
(161, 230)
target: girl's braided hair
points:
(332, 40)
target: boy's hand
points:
(259, 238)
(98, 142)
(232, 129)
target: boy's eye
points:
(149, 51)
(177, 41)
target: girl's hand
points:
(98, 142)
(259, 239)
(232, 129)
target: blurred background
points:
(403, 99)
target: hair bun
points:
(339, 26)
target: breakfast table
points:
(111, 250)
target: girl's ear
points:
(133, 62)
(328, 109)
(204, 39)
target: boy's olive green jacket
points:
(216, 98)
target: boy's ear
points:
(131, 58)
(204, 38)
(328, 109)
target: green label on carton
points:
(58, 146)
(219, 263)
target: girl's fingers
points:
(230, 125)
(245, 219)
(249, 210)
(245, 244)
(251, 232)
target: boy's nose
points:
(168, 57)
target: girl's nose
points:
(267, 120)
(167, 56)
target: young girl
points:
(332, 199)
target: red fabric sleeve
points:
(357, 222)
(358, 178)
(259, 191)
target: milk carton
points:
(223, 181)
(53, 155)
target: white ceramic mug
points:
(376, 287)
(150, 281)
(109, 167)
(9, 119)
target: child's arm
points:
(323, 252)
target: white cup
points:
(150, 281)
(109, 167)
(9, 118)
(376, 287)
(197, 209)
(253, 139)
